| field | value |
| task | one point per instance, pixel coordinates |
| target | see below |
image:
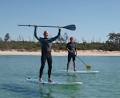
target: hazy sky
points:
(94, 19)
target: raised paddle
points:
(69, 27)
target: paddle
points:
(69, 27)
(88, 67)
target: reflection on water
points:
(43, 91)
(67, 91)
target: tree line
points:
(112, 44)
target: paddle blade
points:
(70, 27)
(88, 67)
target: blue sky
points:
(94, 19)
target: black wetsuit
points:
(46, 46)
(71, 53)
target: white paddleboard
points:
(81, 71)
(33, 80)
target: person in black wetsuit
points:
(72, 52)
(46, 46)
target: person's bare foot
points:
(49, 80)
(74, 69)
(40, 79)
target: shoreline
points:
(64, 53)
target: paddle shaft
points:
(69, 27)
(82, 61)
(40, 26)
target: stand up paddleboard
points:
(33, 80)
(81, 71)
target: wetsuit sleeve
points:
(76, 48)
(35, 33)
(54, 38)
(67, 46)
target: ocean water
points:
(15, 69)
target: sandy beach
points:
(64, 53)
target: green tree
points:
(113, 42)
(7, 37)
(114, 38)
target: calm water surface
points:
(15, 69)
